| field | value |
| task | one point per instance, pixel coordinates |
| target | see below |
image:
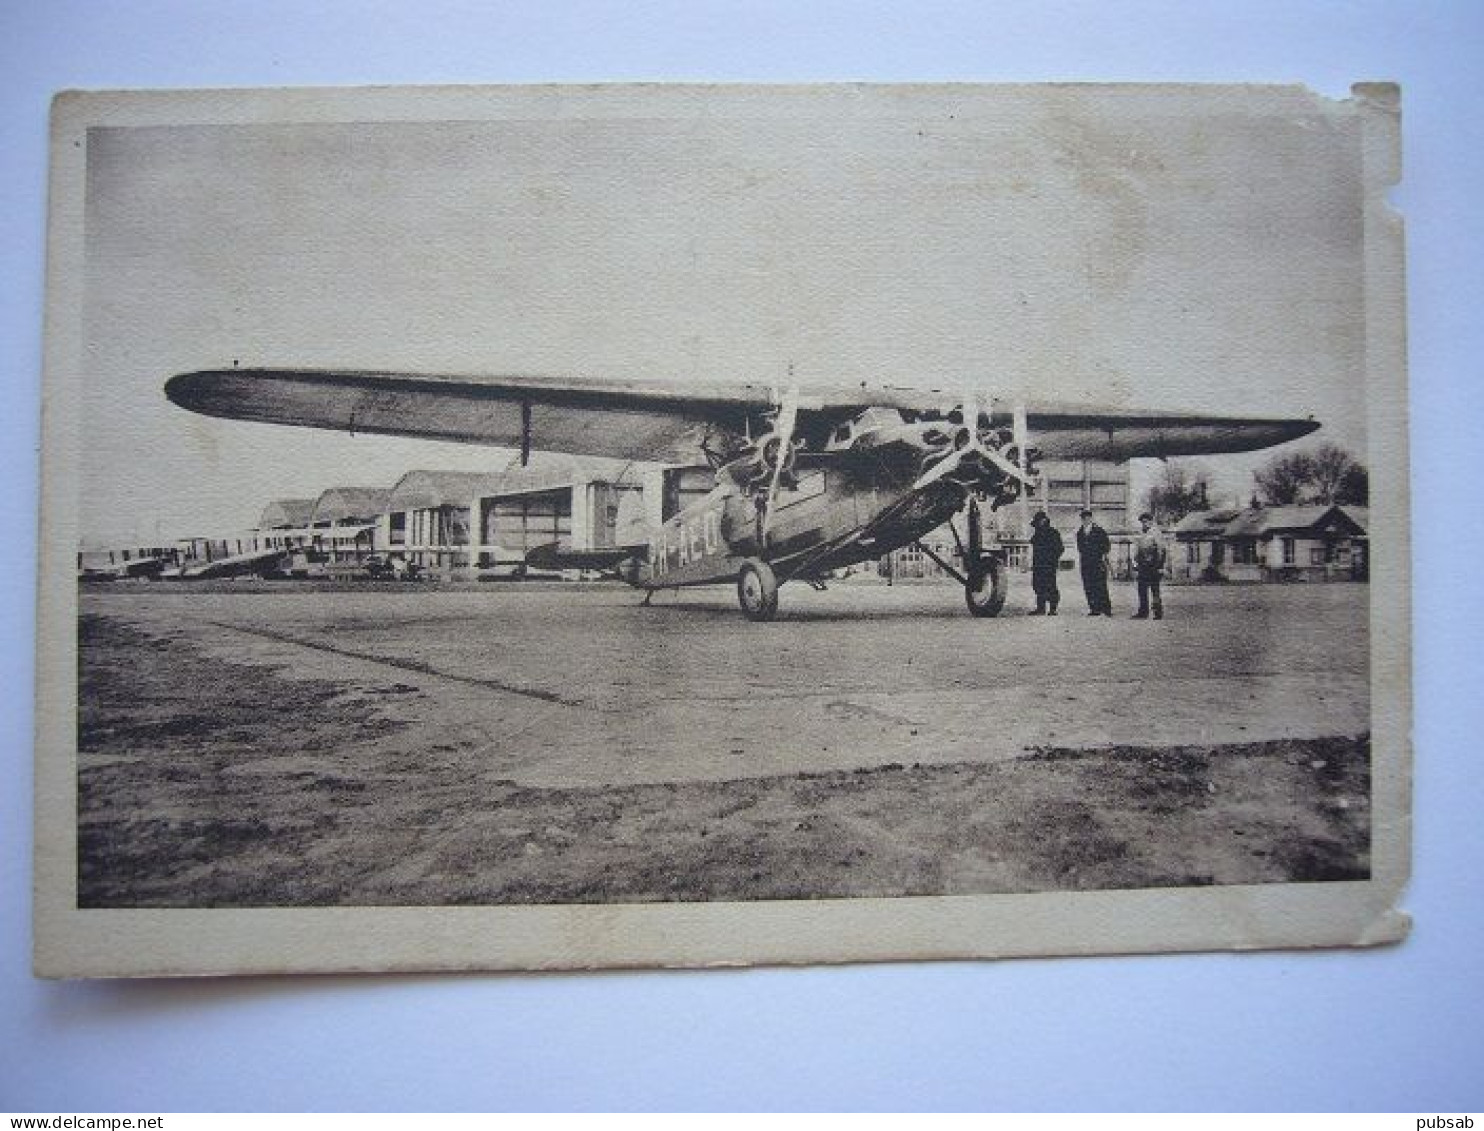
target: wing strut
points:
(783, 429)
(944, 566)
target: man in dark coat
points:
(1046, 551)
(1149, 567)
(1093, 548)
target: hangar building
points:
(455, 524)
(285, 523)
(585, 503)
(427, 517)
(344, 519)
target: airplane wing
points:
(230, 566)
(665, 422)
(626, 420)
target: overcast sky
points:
(1135, 248)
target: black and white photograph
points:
(683, 525)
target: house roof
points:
(1258, 522)
(1265, 520)
(1205, 523)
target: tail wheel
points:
(757, 590)
(988, 584)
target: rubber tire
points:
(988, 586)
(757, 590)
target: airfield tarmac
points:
(276, 744)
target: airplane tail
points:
(621, 561)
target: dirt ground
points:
(254, 745)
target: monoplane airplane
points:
(149, 566)
(235, 565)
(806, 481)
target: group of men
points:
(1093, 547)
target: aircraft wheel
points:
(988, 585)
(757, 590)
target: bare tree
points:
(1281, 481)
(1325, 474)
(1338, 476)
(1355, 488)
(1181, 489)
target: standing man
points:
(1149, 567)
(1046, 551)
(1093, 548)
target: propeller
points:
(1020, 437)
(969, 443)
(783, 433)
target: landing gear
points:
(985, 585)
(987, 582)
(757, 590)
(985, 588)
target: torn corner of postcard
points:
(547, 527)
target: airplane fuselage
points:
(831, 513)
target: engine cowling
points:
(754, 468)
(982, 458)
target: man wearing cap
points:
(1046, 551)
(1149, 567)
(1092, 554)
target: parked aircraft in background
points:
(255, 562)
(806, 481)
(147, 566)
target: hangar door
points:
(517, 524)
(616, 513)
(436, 535)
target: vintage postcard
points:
(556, 527)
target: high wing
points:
(666, 422)
(627, 420)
